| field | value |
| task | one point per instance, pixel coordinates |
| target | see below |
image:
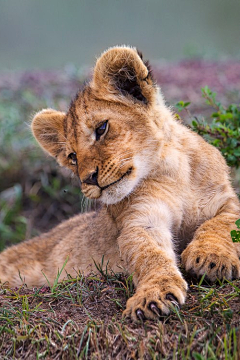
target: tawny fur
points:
(163, 189)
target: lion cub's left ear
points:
(48, 129)
(120, 74)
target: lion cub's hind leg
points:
(212, 251)
(20, 265)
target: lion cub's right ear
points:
(120, 74)
(48, 129)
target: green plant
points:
(224, 130)
(235, 234)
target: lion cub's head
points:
(110, 135)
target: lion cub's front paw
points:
(217, 261)
(155, 297)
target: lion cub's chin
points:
(118, 192)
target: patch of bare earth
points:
(82, 318)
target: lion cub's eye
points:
(102, 129)
(73, 158)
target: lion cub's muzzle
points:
(92, 179)
(90, 186)
(94, 190)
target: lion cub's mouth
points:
(128, 172)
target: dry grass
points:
(81, 318)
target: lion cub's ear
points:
(48, 129)
(120, 72)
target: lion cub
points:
(163, 190)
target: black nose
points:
(92, 178)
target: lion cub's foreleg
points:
(146, 247)
(212, 251)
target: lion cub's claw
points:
(140, 315)
(219, 262)
(153, 307)
(150, 302)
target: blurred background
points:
(47, 49)
(50, 34)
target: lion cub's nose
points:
(92, 178)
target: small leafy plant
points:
(224, 131)
(235, 234)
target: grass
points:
(82, 318)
